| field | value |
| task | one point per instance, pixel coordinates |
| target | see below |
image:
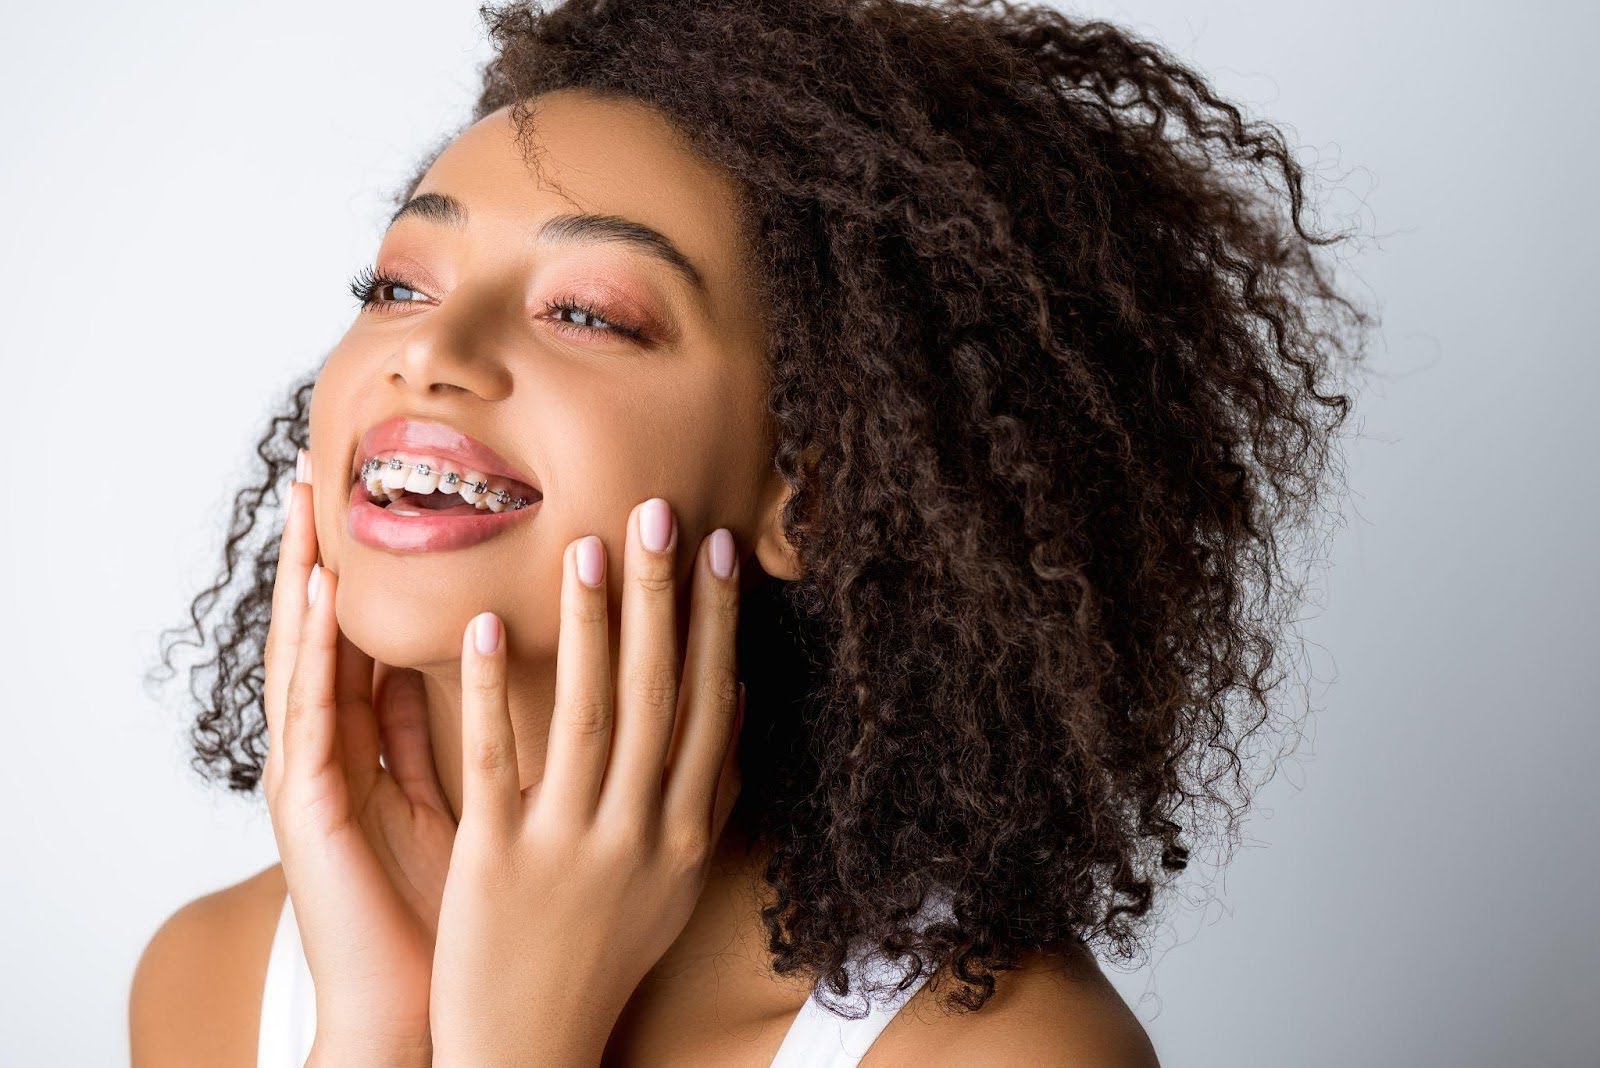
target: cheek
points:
(615, 455)
(331, 428)
(616, 458)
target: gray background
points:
(187, 188)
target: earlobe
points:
(772, 549)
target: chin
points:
(420, 620)
(405, 626)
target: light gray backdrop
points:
(188, 186)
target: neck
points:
(530, 697)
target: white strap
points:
(288, 999)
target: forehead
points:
(592, 154)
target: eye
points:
(586, 316)
(369, 283)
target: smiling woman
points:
(944, 377)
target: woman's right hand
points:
(365, 846)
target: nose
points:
(456, 347)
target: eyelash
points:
(369, 280)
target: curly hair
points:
(1050, 351)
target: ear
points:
(773, 550)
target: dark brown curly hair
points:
(1050, 353)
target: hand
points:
(561, 897)
(365, 847)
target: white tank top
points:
(816, 1039)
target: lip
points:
(404, 433)
(373, 526)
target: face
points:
(601, 370)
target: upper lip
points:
(404, 433)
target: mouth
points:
(417, 487)
(396, 526)
(423, 486)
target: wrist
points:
(553, 1045)
(330, 1049)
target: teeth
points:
(394, 475)
(393, 478)
(474, 486)
(422, 480)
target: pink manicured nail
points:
(655, 524)
(591, 560)
(302, 466)
(314, 584)
(721, 553)
(486, 632)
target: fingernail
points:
(314, 584)
(486, 632)
(591, 560)
(655, 524)
(721, 553)
(302, 466)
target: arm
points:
(196, 992)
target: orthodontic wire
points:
(449, 478)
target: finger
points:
(407, 743)
(710, 687)
(731, 780)
(309, 729)
(647, 667)
(297, 553)
(490, 785)
(581, 724)
(358, 726)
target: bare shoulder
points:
(196, 993)
(1054, 1009)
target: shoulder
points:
(1053, 1009)
(196, 992)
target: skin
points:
(558, 897)
(583, 413)
(472, 345)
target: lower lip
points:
(375, 526)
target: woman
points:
(948, 376)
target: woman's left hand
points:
(561, 897)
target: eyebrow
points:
(572, 227)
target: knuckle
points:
(655, 578)
(491, 755)
(657, 685)
(627, 842)
(588, 611)
(554, 832)
(687, 848)
(486, 688)
(725, 684)
(298, 706)
(725, 606)
(589, 715)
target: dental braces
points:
(449, 478)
